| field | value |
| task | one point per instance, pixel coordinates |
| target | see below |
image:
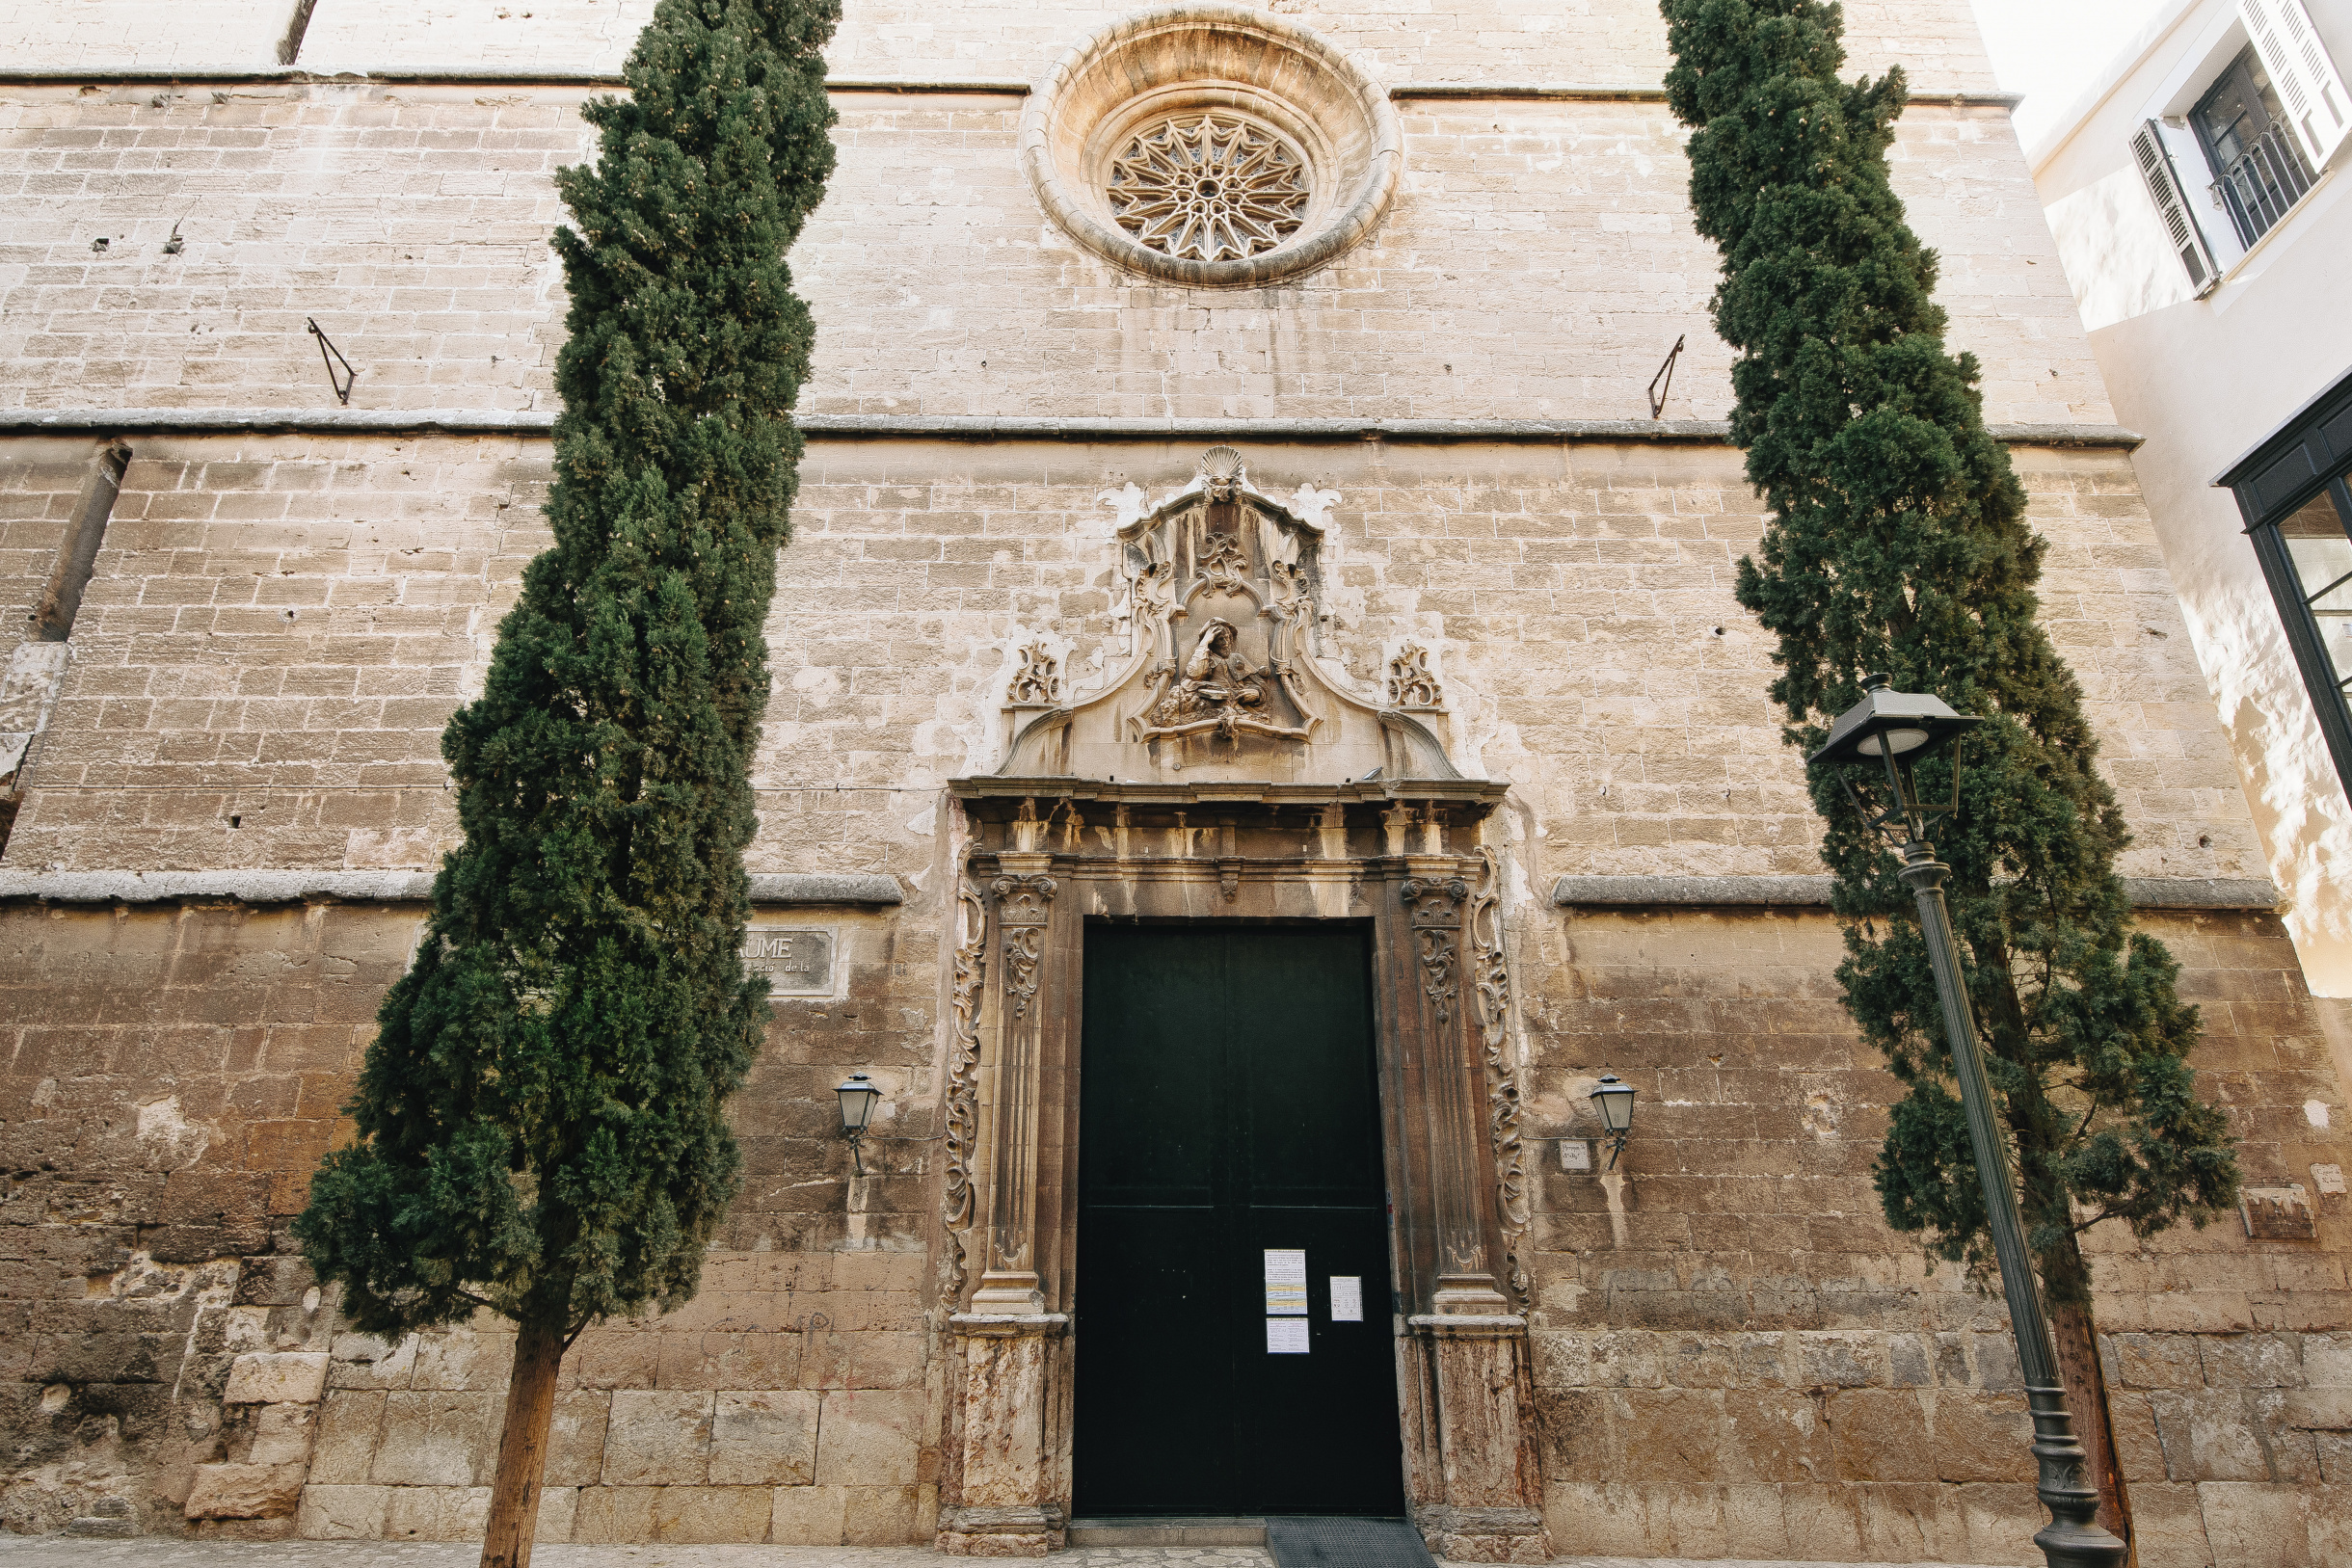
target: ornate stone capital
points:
(1024, 900)
(1435, 901)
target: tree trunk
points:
(522, 1446)
(2077, 1339)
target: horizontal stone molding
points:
(1653, 93)
(1006, 86)
(849, 427)
(450, 76)
(1813, 892)
(375, 887)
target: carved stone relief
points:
(963, 1125)
(1219, 670)
(1037, 681)
(1411, 685)
(1491, 977)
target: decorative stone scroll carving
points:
(1436, 912)
(1037, 683)
(1411, 685)
(1021, 910)
(962, 1124)
(1491, 977)
(1223, 676)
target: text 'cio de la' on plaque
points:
(797, 960)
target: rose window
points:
(1209, 187)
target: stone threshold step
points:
(1185, 1529)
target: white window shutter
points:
(2309, 86)
(2172, 208)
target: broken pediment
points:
(1218, 669)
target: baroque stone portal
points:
(1225, 766)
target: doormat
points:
(1345, 1543)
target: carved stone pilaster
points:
(962, 1124)
(1005, 1503)
(1025, 900)
(1481, 1501)
(1490, 974)
(1434, 908)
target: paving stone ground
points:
(59, 1552)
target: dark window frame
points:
(2263, 183)
(2309, 456)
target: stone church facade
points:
(1322, 552)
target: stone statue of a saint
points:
(1216, 684)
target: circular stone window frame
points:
(1210, 58)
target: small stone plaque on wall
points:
(2277, 1213)
(796, 959)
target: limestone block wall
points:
(169, 1077)
(1734, 1356)
(118, 34)
(276, 631)
(279, 626)
(1538, 262)
(1600, 41)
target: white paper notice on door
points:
(1286, 1336)
(1286, 1282)
(1347, 1298)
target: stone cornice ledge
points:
(559, 76)
(855, 427)
(1813, 892)
(375, 887)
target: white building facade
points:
(2197, 196)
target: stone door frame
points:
(1040, 856)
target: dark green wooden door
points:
(1228, 1105)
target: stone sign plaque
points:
(2277, 1213)
(797, 960)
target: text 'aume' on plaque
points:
(795, 959)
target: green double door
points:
(1229, 1123)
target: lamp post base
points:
(2074, 1538)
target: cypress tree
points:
(1897, 542)
(541, 1115)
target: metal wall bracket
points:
(330, 356)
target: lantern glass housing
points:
(858, 1097)
(1887, 723)
(1614, 1100)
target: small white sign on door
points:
(1286, 1337)
(1347, 1298)
(1286, 1282)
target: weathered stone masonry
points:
(1717, 1351)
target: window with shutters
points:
(2259, 166)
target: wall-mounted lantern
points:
(1614, 1101)
(858, 1097)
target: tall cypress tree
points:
(1897, 542)
(541, 1117)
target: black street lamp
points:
(1614, 1100)
(1896, 729)
(858, 1097)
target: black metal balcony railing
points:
(2261, 182)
